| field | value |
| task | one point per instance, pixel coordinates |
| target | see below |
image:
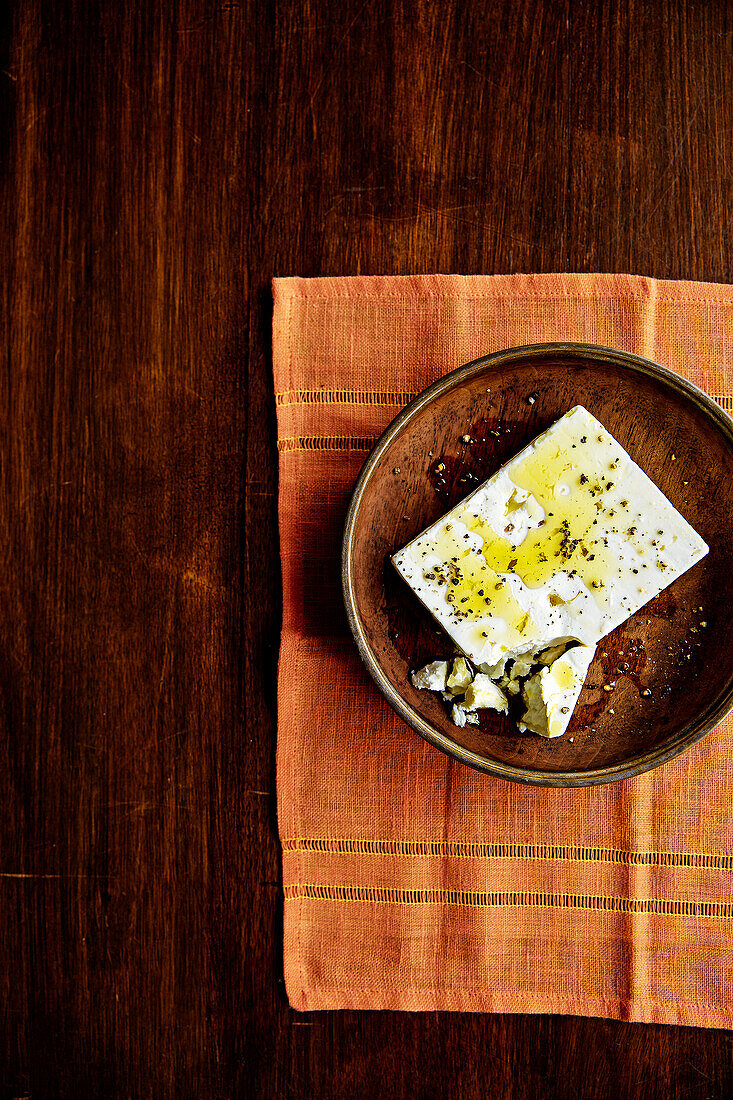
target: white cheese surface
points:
(566, 541)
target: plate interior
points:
(664, 648)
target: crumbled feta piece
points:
(485, 694)
(460, 677)
(432, 677)
(551, 694)
(462, 717)
(522, 664)
(512, 687)
(458, 715)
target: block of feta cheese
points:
(564, 542)
(551, 694)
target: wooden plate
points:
(678, 435)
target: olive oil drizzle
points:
(582, 504)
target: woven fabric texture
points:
(410, 881)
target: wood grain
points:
(161, 162)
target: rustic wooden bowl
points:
(678, 435)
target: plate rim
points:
(693, 732)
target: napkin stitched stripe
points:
(344, 397)
(513, 899)
(508, 299)
(364, 444)
(389, 397)
(426, 849)
(290, 443)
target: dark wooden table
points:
(161, 161)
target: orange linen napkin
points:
(412, 882)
